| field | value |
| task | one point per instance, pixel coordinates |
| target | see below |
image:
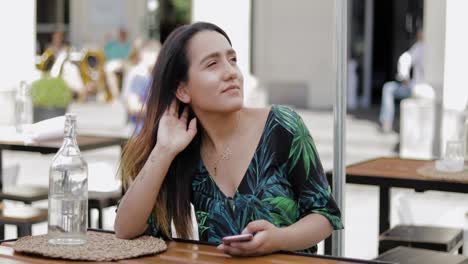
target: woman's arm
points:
(138, 202)
(174, 135)
(305, 233)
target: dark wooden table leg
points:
(24, 229)
(2, 226)
(328, 246)
(1, 171)
(384, 209)
(89, 217)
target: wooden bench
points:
(25, 193)
(406, 255)
(22, 193)
(23, 217)
(427, 237)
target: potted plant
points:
(50, 97)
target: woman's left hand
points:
(267, 239)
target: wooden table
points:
(52, 146)
(396, 172)
(186, 252)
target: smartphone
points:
(237, 238)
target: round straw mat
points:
(430, 171)
(99, 247)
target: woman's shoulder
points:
(279, 116)
(286, 117)
(279, 111)
(282, 115)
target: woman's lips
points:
(230, 88)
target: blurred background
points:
(98, 54)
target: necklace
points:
(227, 152)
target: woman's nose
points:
(230, 71)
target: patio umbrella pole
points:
(339, 115)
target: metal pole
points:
(339, 113)
(368, 39)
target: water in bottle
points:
(68, 191)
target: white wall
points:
(456, 56)
(434, 39)
(91, 20)
(293, 43)
(445, 23)
(17, 50)
(234, 18)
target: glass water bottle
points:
(23, 107)
(68, 191)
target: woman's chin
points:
(232, 104)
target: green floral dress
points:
(284, 182)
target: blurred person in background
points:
(57, 43)
(410, 61)
(118, 49)
(137, 80)
(245, 170)
(117, 53)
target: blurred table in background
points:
(397, 172)
(52, 146)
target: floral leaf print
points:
(249, 208)
(285, 210)
(285, 117)
(202, 224)
(302, 146)
(221, 223)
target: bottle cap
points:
(70, 116)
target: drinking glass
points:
(454, 158)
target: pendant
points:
(226, 154)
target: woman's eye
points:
(234, 59)
(211, 63)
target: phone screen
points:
(237, 238)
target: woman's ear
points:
(182, 93)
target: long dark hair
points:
(173, 201)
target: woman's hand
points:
(173, 134)
(267, 239)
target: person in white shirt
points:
(403, 86)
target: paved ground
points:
(363, 141)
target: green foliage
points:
(51, 92)
(182, 11)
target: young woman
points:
(245, 170)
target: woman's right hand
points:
(173, 134)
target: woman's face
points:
(215, 83)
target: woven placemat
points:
(99, 247)
(430, 171)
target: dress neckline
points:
(241, 183)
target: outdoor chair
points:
(428, 237)
(406, 255)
